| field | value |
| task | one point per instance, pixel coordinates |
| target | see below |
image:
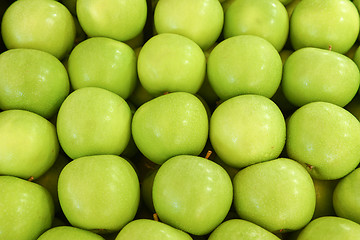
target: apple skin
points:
(247, 129)
(278, 195)
(330, 228)
(32, 80)
(45, 25)
(26, 209)
(318, 23)
(69, 232)
(263, 18)
(100, 193)
(244, 64)
(346, 197)
(159, 62)
(146, 229)
(28, 144)
(241, 229)
(200, 20)
(194, 208)
(121, 20)
(105, 63)
(314, 74)
(320, 136)
(93, 121)
(170, 125)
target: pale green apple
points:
(146, 229)
(244, 64)
(264, 18)
(330, 228)
(346, 197)
(247, 129)
(324, 197)
(93, 121)
(314, 74)
(278, 195)
(100, 193)
(32, 80)
(28, 144)
(121, 20)
(324, 24)
(67, 233)
(321, 136)
(192, 193)
(200, 20)
(290, 7)
(170, 62)
(45, 25)
(26, 209)
(105, 63)
(286, 2)
(236, 229)
(170, 125)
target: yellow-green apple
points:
(264, 18)
(100, 193)
(194, 208)
(92, 121)
(324, 138)
(32, 80)
(26, 209)
(278, 195)
(170, 62)
(28, 144)
(45, 25)
(244, 64)
(69, 232)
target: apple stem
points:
(165, 93)
(30, 179)
(208, 154)
(309, 166)
(330, 47)
(156, 218)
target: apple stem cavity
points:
(208, 154)
(30, 179)
(330, 47)
(156, 217)
(310, 166)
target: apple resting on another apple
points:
(68, 233)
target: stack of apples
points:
(179, 119)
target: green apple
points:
(45, 25)
(244, 64)
(146, 229)
(28, 144)
(105, 63)
(26, 209)
(324, 197)
(320, 136)
(192, 193)
(286, 2)
(93, 121)
(278, 195)
(121, 20)
(247, 129)
(264, 18)
(314, 74)
(346, 197)
(140, 96)
(290, 8)
(170, 125)
(330, 228)
(235, 229)
(32, 80)
(170, 62)
(67, 233)
(99, 193)
(200, 20)
(324, 24)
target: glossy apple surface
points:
(45, 25)
(194, 208)
(93, 121)
(26, 209)
(278, 195)
(247, 129)
(321, 135)
(170, 125)
(318, 23)
(199, 20)
(263, 18)
(313, 74)
(121, 20)
(105, 63)
(32, 80)
(244, 64)
(99, 193)
(69, 232)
